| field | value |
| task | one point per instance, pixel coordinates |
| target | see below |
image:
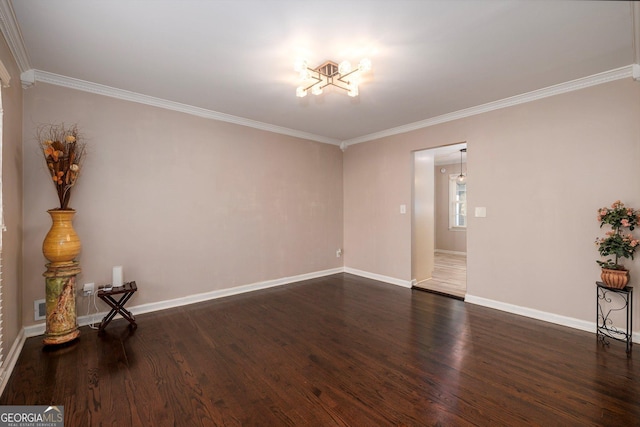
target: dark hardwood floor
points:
(340, 350)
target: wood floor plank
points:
(449, 275)
(334, 351)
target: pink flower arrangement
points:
(616, 243)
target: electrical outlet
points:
(338, 253)
(88, 289)
(39, 310)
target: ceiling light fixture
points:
(330, 74)
(461, 179)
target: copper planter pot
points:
(616, 279)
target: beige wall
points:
(12, 200)
(447, 239)
(541, 169)
(189, 205)
(423, 224)
(186, 205)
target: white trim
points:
(85, 86)
(39, 329)
(571, 322)
(11, 31)
(414, 282)
(12, 358)
(444, 251)
(635, 28)
(379, 277)
(5, 77)
(29, 77)
(596, 79)
(221, 293)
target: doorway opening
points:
(439, 221)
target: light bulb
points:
(300, 65)
(353, 91)
(461, 179)
(304, 74)
(344, 67)
(365, 65)
(316, 90)
(301, 92)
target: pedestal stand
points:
(62, 323)
(608, 301)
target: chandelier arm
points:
(341, 77)
(318, 78)
(341, 84)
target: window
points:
(457, 203)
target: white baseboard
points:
(39, 329)
(444, 251)
(379, 277)
(12, 358)
(571, 322)
(206, 296)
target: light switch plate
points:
(481, 212)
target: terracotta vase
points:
(61, 245)
(616, 279)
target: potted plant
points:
(616, 242)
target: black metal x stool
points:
(117, 307)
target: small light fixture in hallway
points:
(461, 179)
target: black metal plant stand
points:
(609, 301)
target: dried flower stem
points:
(63, 153)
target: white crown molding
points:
(11, 31)
(596, 79)
(29, 78)
(85, 86)
(5, 77)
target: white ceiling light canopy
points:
(341, 75)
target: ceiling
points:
(236, 57)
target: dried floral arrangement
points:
(63, 153)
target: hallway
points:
(449, 275)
